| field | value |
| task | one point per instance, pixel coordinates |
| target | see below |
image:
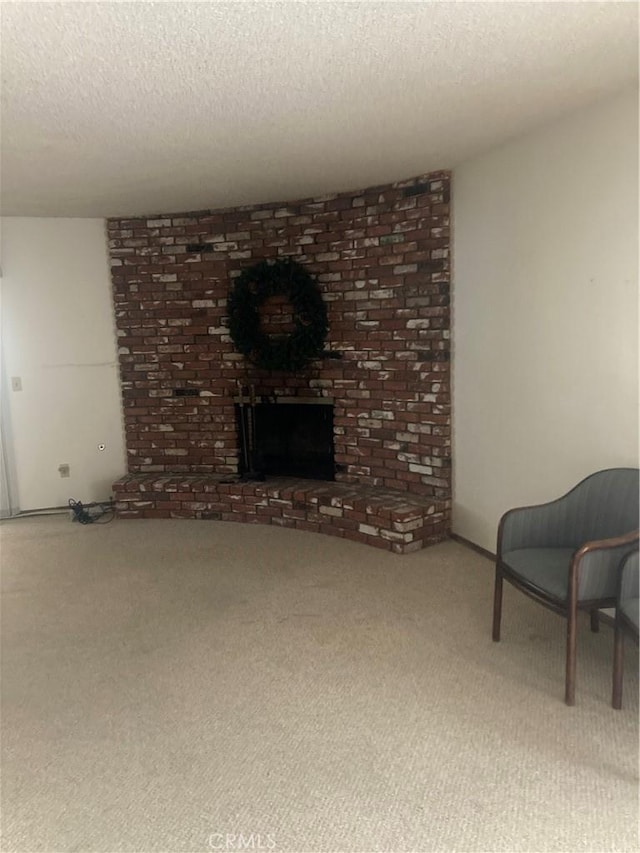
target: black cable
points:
(91, 513)
(105, 516)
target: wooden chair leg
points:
(497, 606)
(595, 621)
(618, 654)
(570, 677)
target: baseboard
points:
(488, 554)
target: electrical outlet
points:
(64, 469)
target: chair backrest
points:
(604, 505)
(630, 577)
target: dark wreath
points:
(277, 352)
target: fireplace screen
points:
(287, 439)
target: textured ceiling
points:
(123, 108)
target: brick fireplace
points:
(381, 260)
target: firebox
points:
(287, 438)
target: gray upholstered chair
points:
(565, 554)
(627, 618)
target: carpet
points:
(197, 686)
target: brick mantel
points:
(381, 259)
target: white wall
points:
(545, 314)
(58, 337)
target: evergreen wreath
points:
(277, 352)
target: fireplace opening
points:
(287, 439)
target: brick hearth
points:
(381, 260)
(379, 517)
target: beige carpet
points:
(168, 684)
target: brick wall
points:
(381, 259)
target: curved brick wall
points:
(381, 258)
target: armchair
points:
(565, 554)
(627, 618)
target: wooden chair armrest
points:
(613, 542)
(601, 566)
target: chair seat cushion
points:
(631, 609)
(545, 568)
